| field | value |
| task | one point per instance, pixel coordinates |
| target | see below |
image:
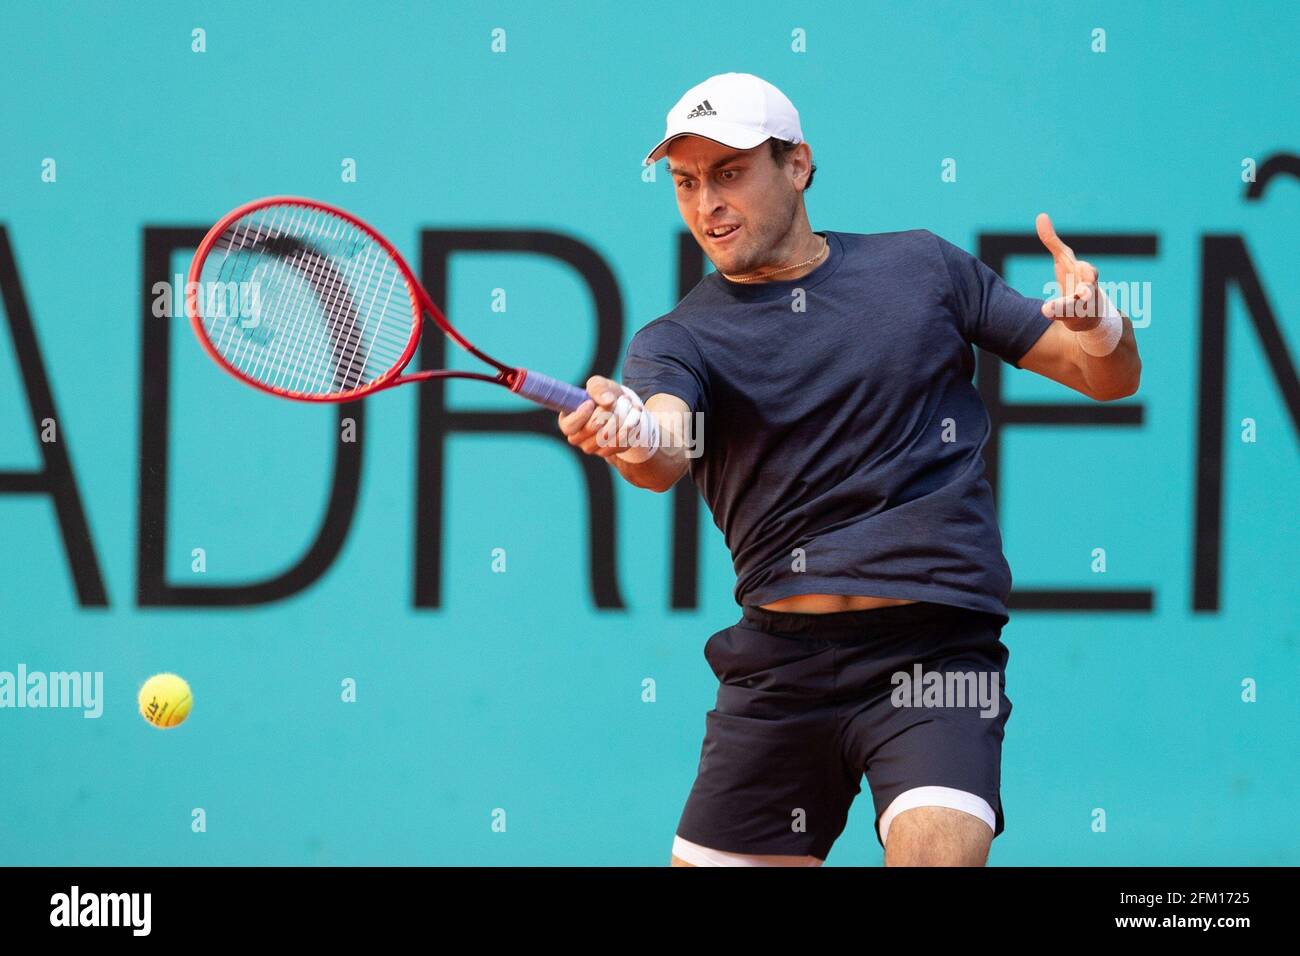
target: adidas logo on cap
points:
(702, 109)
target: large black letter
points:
(1224, 260)
(55, 478)
(155, 372)
(994, 248)
(436, 421)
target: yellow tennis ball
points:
(165, 700)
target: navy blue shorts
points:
(809, 703)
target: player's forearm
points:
(657, 473)
(1116, 375)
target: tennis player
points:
(842, 441)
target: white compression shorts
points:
(697, 855)
(976, 806)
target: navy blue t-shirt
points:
(842, 432)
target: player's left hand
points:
(1081, 304)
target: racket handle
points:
(556, 395)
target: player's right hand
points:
(608, 422)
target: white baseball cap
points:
(739, 110)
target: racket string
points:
(222, 341)
(382, 311)
(310, 276)
(352, 371)
(246, 355)
(333, 312)
(270, 355)
(305, 345)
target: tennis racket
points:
(305, 301)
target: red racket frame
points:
(509, 376)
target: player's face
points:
(719, 187)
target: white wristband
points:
(642, 429)
(1101, 339)
(646, 442)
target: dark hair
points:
(781, 149)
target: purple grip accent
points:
(556, 395)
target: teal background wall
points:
(517, 693)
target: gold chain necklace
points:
(763, 275)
